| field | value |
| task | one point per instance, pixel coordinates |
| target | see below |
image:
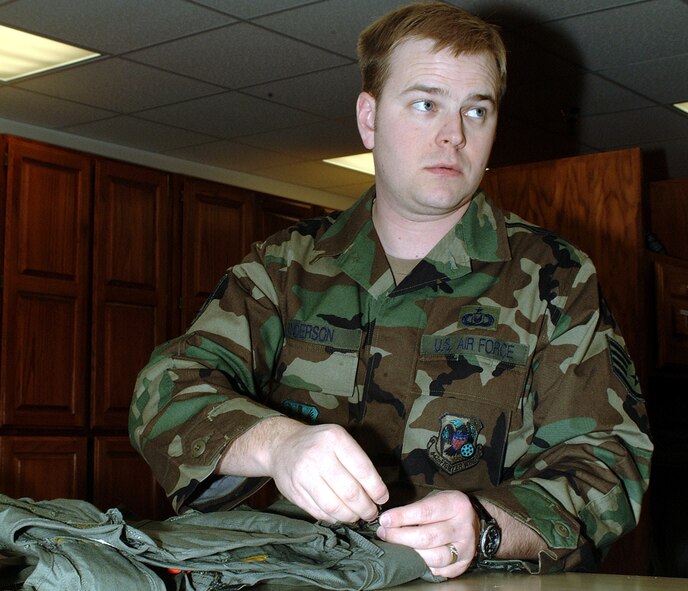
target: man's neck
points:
(404, 238)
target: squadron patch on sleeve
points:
(623, 368)
(455, 447)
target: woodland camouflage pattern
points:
(494, 367)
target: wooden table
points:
(555, 582)
(525, 582)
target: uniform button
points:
(562, 529)
(197, 448)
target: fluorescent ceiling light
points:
(23, 54)
(359, 162)
(683, 106)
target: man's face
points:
(431, 129)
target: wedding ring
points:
(454, 553)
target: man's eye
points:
(477, 113)
(423, 105)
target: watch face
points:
(491, 538)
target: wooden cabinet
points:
(46, 287)
(668, 224)
(132, 268)
(671, 276)
(218, 226)
(121, 478)
(102, 261)
(668, 403)
(216, 233)
(669, 216)
(43, 467)
(85, 298)
(275, 214)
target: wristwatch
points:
(490, 535)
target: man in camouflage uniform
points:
(421, 350)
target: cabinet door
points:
(132, 238)
(43, 467)
(217, 225)
(3, 200)
(671, 276)
(668, 213)
(122, 479)
(274, 214)
(46, 286)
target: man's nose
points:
(452, 132)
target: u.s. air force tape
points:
(481, 346)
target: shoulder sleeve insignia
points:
(623, 368)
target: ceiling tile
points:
(111, 27)
(332, 24)
(251, 8)
(330, 93)
(45, 111)
(232, 155)
(664, 80)
(597, 95)
(143, 135)
(567, 99)
(519, 13)
(618, 36)
(118, 85)
(527, 62)
(229, 115)
(237, 56)
(315, 141)
(632, 128)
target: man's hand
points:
(430, 526)
(320, 468)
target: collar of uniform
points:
(353, 241)
(352, 222)
(480, 235)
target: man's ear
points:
(365, 115)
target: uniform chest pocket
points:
(478, 367)
(454, 442)
(320, 358)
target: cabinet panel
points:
(44, 366)
(669, 213)
(672, 309)
(123, 479)
(274, 214)
(131, 281)
(216, 232)
(43, 467)
(46, 283)
(126, 340)
(47, 201)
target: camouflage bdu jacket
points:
(494, 367)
